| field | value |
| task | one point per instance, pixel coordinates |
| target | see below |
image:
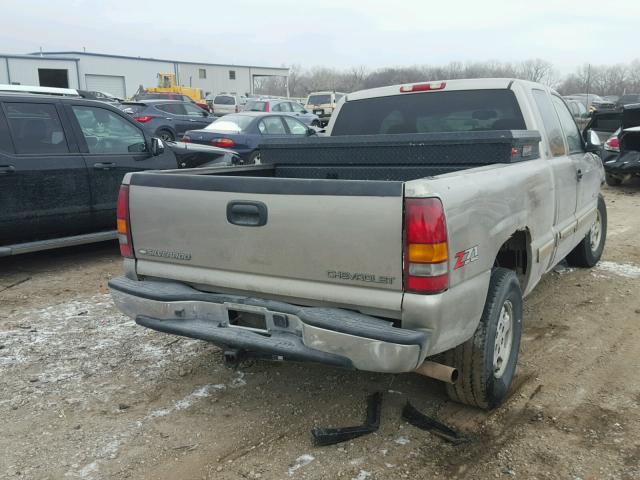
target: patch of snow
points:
(301, 461)
(239, 381)
(88, 470)
(362, 475)
(402, 440)
(396, 392)
(186, 402)
(626, 270)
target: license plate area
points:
(248, 320)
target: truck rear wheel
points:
(588, 252)
(486, 362)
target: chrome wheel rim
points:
(595, 233)
(504, 340)
(165, 137)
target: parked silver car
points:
(288, 107)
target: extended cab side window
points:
(551, 122)
(574, 140)
(107, 133)
(36, 128)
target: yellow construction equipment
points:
(167, 84)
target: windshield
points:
(256, 106)
(455, 111)
(319, 99)
(230, 123)
(224, 100)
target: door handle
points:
(104, 166)
(579, 174)
(7, 169)
(246, 213)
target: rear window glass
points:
(36, 128)
(230, 123)
(319, 99)
(455, 111)
(224, 100)
(256, 106)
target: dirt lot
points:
(85, 393)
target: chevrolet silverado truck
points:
(403, 241)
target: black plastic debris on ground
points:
(418, 419)
(331, 436)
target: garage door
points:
(106, 83)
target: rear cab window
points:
(453, 111)
(36, 128)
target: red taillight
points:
(143, 118)
(422, 87)
(223, 142)
(267, 107)
(613, 144)
(426, 257)
(123, 223)
(186, 139)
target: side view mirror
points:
(205, 114)
(592, 141)
(310, 132)
(157, 146)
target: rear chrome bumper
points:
(289, 332)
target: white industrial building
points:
(122, 75)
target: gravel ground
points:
(85, 393)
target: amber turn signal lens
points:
(428, 252)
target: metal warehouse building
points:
(122, 75)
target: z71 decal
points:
(465, 257)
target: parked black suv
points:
(62, 160)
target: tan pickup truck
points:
(413, 230)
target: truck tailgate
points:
(336, 242)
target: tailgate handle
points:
(247, 213)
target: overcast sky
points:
(329, 33)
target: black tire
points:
(166, 135)
(588, 252)
(612, 180)
(480, 383)
(254, 158)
